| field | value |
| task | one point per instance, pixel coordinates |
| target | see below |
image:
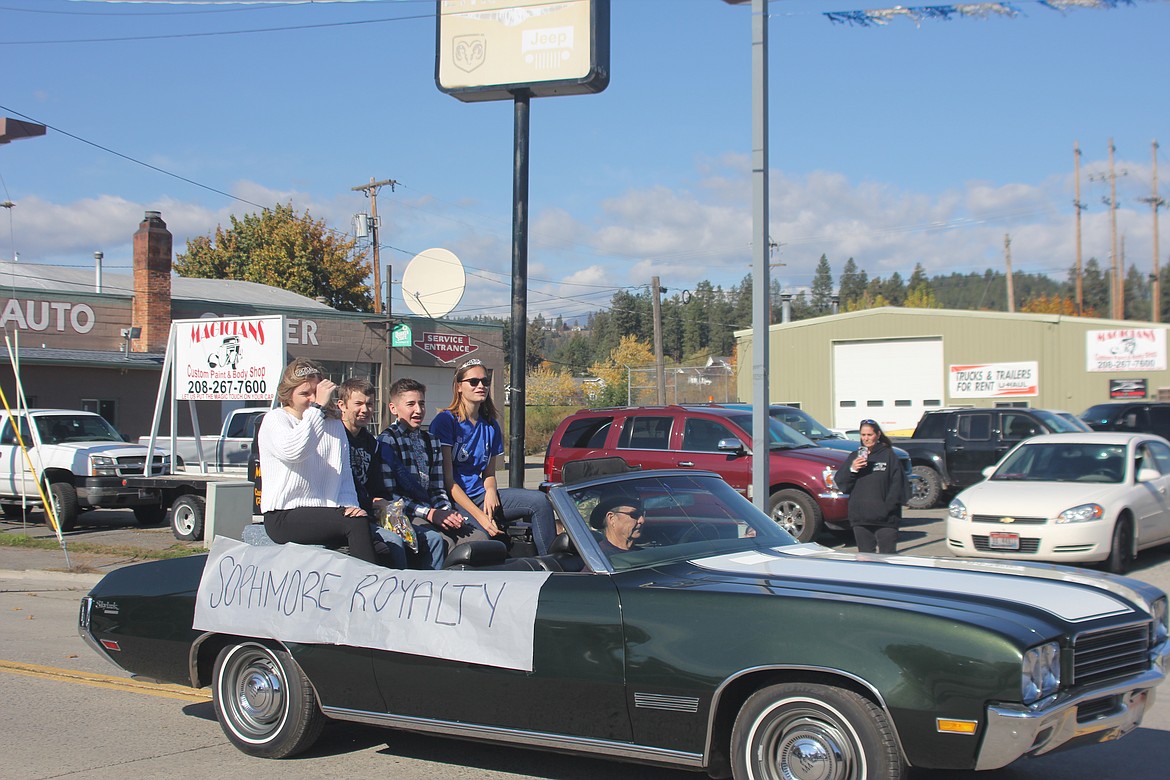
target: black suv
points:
(1130, 417)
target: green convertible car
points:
(671, 623)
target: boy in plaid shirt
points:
(412, 465)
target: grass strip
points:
(27, 542)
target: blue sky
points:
(898, 144)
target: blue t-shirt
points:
(472, 446)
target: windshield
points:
(1064, 462)
(649, 520)
(780, 436)
(1058, 423)
(801, 421)
(62, 428)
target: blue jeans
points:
(432, 548)
(530, 505)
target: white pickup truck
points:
(81, 461)
(229, 451)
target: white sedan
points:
(1068, 498)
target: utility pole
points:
(1155, 278)
(1118, 294)
(659, 363)
(371, 191)
(1079, 206)
(1011, 287)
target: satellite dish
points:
(433, 283)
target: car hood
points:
(819, 455)
(111, 448)
(989, 590)
(1033, 499)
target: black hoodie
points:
(875, 492)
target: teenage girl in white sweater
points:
(308, 495)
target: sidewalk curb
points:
(73, 578)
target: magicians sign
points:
(494, 49)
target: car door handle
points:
(686, 464)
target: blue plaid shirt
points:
(422, 459)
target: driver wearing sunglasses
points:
(620, 520)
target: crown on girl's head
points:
(470, 363)
(304, 371)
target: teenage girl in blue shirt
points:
(470, 435)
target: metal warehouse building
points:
(892, 364)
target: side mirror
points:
(731, 445)
(988, 471)
(1147, 474)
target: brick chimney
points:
(152, 284)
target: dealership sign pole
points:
(516, 50)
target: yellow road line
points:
(105, 681)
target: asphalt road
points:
(69, 714)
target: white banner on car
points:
(311, 595)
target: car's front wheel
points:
(926, 489)
(1121, 548)
(264, 702)
(65, 508)
(803, 730)
(797, 513)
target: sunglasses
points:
(476, 381)
(634, 513)
(871, 423)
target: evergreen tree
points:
(1095, 287)
(853, 283)
(820, 302)
(1137, 295)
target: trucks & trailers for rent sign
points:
(995, 380)
(228, 358)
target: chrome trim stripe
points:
(661, 701)
(534, 739)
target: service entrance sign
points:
(447, 347)
(490, 49)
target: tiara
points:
(470, 363)
(305, 371)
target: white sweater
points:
(304, 462)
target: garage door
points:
(892, 381)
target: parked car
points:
(804, 498)
(229, 450)
(718, 644)
(78, 459)
(1068, 498)
(805, 423)
(1130, 417)
(951, 447)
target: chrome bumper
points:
(1014, 731)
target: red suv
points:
(803, 497)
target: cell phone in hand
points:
(863, 452)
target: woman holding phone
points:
(872, 476)
(472, 442)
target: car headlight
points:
(1161, 627)
(830, 477)
(1040, 672)
(957, 510)
(1081, 514)
(100, 465)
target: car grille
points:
(1019, 520)
(1027, 545)
(1099, 656)
(132, 466)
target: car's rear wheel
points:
(797, 513)
(1121, 550)
(803, 730)
(264, 702)
(150, 516)
(187, 518)
(65, 509)
(926, 489)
